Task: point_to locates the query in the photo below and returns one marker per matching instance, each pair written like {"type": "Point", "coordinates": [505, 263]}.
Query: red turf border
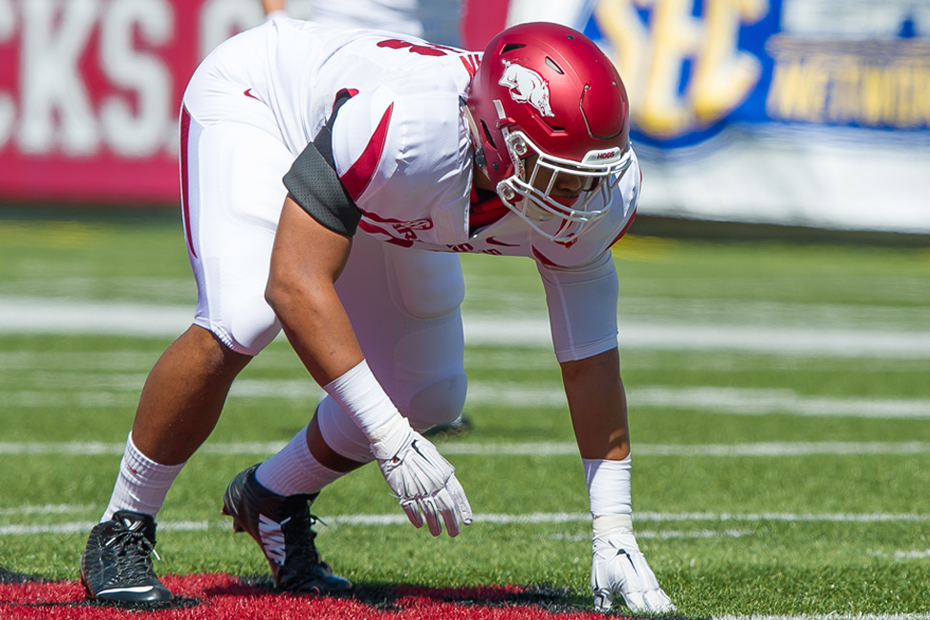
{"type": "Point", "coordinates": [221, 597]}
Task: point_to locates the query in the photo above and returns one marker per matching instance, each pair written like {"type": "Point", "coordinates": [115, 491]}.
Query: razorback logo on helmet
{"type": "Point", "coordinates": [526, 86]}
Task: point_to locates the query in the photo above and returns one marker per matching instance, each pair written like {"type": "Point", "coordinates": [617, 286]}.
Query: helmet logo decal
{"type": "Point", "coordinates": [526, 86]}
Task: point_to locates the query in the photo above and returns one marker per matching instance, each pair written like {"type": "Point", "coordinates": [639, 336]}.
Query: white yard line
{"type": "Point", "coordinates": [903, 555]}
{"type": "Point", "coordinates": [747, 401]}
{"type": "Point", "coordinates": [765, 449]}
{"type": "Point", "coordinates": [45, 509]}
{"type": "Point", "coordinates": [830, 616]}
{"type": "Point", "coordinates": [50, 315]}
{"type": "Point", "coordinates": [585, 536]}
{"type": "Point", "coordinates": [77, 527]}
{"type": "Point", "coordinates": [554, 448]}
{"type": "Point", "coordinates": [382, 520]}
{"type": "Point", "coordinates": [739, 401]}
{"type": "Point", "coordinates": [122, 391]}
{"type": "Point", "coordinates": [97, 448]}
{"type": "Point", "coordinates": [785, 517]}
{"type": "Point", "coordinates": [74, 316]}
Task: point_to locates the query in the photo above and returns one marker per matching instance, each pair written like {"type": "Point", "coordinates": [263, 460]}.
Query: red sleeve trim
{"type": "Point", "coordinates": [543, 259]}
{"type": "Point", "coordinates": [357, 178]}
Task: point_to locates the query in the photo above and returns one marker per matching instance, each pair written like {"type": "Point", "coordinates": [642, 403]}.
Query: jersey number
{"type": "Point", "coordinates": [423, 50]}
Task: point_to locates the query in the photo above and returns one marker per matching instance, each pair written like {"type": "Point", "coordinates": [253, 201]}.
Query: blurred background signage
{"type": "Point", "coordinates": [802, 112]}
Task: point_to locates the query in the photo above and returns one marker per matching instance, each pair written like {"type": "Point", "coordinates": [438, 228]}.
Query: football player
{"type": "Point", "coordinates": [395, 155]}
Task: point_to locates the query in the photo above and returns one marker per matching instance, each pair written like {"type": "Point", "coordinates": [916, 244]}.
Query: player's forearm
{"type": "Point", "coordinates": [306, 260]}
{"type": "Point", "coordinates": [319, 330]}
{"type": "Point", "coordinates": [597, 403]}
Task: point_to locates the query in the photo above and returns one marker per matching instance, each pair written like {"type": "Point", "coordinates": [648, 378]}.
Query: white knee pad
{"type": "Point", "coordinates": [429, 376]}
{"type": "Point", "coordinates": [404, 306]}
{"type": "Point", "coordinates": [440, 402]}
{"type": "Point", "coordinates": [341, 433]}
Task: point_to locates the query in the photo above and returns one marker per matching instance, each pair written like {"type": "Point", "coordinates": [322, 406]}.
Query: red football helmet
{"type": "Point", "coordinates": [548, 90]}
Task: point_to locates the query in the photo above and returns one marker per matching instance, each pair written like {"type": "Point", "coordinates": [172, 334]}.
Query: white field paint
{"type": "Point", "coordinates": [399, 518]}
{"type": "Point", "coordinates": [46, 509]}
{"type": "Point", "coordinates": [831, 616]}
{"type": "Point", "coordinates": [71, 316]}
{"type": "Point", "coordinates": [903, 555]}
{"type": "Point", "coordinates": [122, 391]}
{"type": "Point", "coordinates": [585, 536]}
{"type": "Point", "coordinates": [740, 401]}
{"type": "Point", "coordinates": [544, 449]}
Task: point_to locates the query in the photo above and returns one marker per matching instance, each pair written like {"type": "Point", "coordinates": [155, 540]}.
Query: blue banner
{"type": "Point", "coordinates": [693, 66]}
{"type": "Point", "coordinates": [791, 112]}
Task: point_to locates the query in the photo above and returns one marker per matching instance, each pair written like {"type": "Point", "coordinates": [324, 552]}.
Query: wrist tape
{"type": "Point", "coordinates": [610, 493]}
{"type": "Point", "coordinates": [361, 396]}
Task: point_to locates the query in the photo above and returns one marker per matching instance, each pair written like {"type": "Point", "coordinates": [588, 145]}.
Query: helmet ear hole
{"type": "Point", "coordinates": [552, 65]}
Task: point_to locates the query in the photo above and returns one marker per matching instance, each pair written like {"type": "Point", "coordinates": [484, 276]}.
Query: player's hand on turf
{"type": "Point", "coordinates": [620, 567]}
{"type": "Point", "coordinates": [423, 480]}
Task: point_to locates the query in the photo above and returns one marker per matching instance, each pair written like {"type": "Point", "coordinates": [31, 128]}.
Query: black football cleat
{"type": "Point", "coordinates": [282, 526]}
{"type": "Point", "coordinates": [116, 565]}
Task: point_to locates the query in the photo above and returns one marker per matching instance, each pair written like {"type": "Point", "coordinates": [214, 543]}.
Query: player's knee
{"type": "Point", "coordinates": [440, 402]}
{"type": "Point", "coordinates": [249, 328]}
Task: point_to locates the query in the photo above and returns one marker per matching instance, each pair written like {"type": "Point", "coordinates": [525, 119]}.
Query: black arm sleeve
{"type": "Point", "coordinates": [313, 184]}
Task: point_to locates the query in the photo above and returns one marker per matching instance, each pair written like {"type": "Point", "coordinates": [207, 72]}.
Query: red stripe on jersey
{"type": "Point", "coordinates": [185, 191]}
{"type": "Point", "coordinates": [357, 178]}
{"type": "Point", "coordinates": [545, 261]}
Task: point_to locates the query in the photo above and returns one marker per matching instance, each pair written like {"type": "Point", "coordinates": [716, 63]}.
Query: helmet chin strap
{"type": "Point", "coordinates": [533, 211]}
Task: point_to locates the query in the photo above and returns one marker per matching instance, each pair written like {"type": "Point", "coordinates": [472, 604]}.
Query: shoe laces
{"type": "Point", "coordinates": [300, 537]}
{"type": "Point", "coordinates": [133, 548]}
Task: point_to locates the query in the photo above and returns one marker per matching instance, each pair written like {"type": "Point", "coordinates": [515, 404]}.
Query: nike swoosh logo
{"type": "Point", "coordinates": [139, 589]}
{"type": "Point", "coordinates": [628, 559]}
{"type": "Point", "coordinates": [417, 448]}
{"type": "Point", "coordinates": [493, 241]}
{"type": "Point", "coordinates": [248, 93]}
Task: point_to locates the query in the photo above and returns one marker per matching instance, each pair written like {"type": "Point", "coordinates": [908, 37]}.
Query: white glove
{"type": "Point", "coordinates": [619, 566]}
{"type": "Point", "coordinates": [423, 480]}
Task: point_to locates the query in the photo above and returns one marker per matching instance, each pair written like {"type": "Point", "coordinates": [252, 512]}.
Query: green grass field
{"type": "Point", "coordinates": [779, 398]}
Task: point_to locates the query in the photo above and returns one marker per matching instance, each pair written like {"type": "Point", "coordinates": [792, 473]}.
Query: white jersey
{"type": "Point", "coordinates": [403, 151]}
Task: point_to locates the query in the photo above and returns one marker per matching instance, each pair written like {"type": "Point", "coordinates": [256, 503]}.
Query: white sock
{"type": "Point", "coordinates": [294, 470]}
{"type": "Point", "coordinates": [142, 483]}
{"type": "Point", "coordinates": [610, 493]}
